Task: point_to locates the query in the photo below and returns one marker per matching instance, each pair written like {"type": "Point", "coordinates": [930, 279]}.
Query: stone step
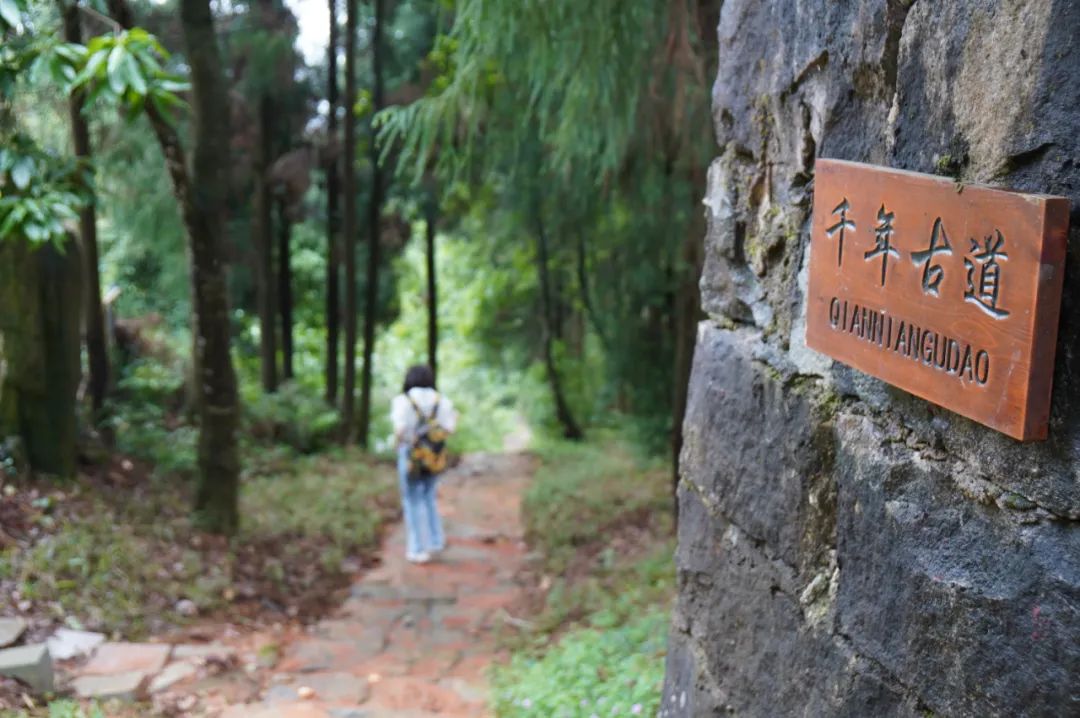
{"type": "Point", "coordinates": [30, 664]}
{"type": "Point", "coordinates": [66, 644]}
{"type": "Point", "coordinates": [11, 630]}
{"type": "Point", "coordinates": [130, 686]}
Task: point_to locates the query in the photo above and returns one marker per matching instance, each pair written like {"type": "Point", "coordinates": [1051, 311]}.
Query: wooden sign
{"type": "Point", "coordinates": [949, 292]}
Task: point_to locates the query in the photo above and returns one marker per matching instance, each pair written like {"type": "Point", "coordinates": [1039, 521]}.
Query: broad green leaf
{"type": "Point", "coordinates": [98, 44]}
{"type": "Point", "coordinates": [117, 78]}
{"type": "Point", "coordinates": [14, 217]}
{"type": "Point", "coordinates": [22, 172]}
{"type": "Point", "coordinates": [70, 52]}
{"type": "Point", "coordinates": [35, 232]}
{"type": "Point", "coordinates": [93, 66]}
{"type": "Point", "coordinates": [9, 13]}
{"type": "Point", "coordinates": [174, 85]}
{"type": "Point", "coordinates": [133, 73]}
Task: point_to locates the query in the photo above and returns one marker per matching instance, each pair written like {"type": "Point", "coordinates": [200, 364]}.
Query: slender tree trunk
{"type": "Point", "coordinates": [571, 429]}
{"type": "Point", "coordinates": [349, 224]}
{"type": "Point", "coordinates": [285, 300]}
{"type": "Point", "coordinates": [371, 305]}
{"type": "Point", "coordinates": [203, 198]}
{"type": "Point", "coordinates": [586, 293]}
{"type": "Point", "coordinates": [96, 348]}
{"type": "Point", "coordinates": [333, 251]}
{"type": "Point", "coordinates": [262, 226]}
{"type": "Point", "coordinates": [432, 290]}
{"type": "Point", "coordinates": [218, 486]}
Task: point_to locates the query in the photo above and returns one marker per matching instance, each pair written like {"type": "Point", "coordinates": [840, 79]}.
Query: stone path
{"type": "Point", "coordinates": [411, 641]}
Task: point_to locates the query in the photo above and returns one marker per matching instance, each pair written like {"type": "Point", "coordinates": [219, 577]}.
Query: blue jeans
{"type": "Point", "coordinates": [423, 527]}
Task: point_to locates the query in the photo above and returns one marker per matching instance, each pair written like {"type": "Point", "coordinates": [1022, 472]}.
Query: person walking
{"type": "Point", "coordinates": [422, 419]}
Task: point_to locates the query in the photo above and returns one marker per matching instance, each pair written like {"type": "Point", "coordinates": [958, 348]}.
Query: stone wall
{"type": "Point", "coordinates": [844, 548]}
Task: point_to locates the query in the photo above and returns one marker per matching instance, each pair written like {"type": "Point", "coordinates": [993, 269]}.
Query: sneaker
{"type": "Point", "coordinates": [422, 557]}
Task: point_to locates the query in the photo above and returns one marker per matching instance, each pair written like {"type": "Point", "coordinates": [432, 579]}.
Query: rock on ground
{"type": "Point", "coordinates": [66, 644]}
{"type": "Point", "coordinates": [11, 630]}
{"type": "Point", "coordinates": [30, 664]}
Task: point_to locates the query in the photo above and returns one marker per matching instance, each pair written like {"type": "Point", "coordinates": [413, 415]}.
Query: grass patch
{"type": "Point", "coordinates": [600, 516]}
{"type": "Point", "coordinates": [339, 495]}
{"type": "Point", "coordinates": [582, 492]}
{"type": "Point", "coordinates": [589, 672]}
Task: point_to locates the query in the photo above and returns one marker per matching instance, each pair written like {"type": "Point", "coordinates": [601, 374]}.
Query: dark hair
{"type": "Point", "coordinates": [419, 375]}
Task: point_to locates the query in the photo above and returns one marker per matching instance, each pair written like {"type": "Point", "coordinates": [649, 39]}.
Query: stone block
{"type": "Point", "coordinates": [110, 658]}
{"type": "Point", "coordinates": [943, 591]}
{"type": "Point", "coordinates": [175, 672]}
{"type": "Point", "coordinates": [202, 650]}
{"type": "Point", "coordinates": [331, 687]}
{"type": "Point", "coordinates": [129, 686]}
{"type": "Point", "coordinates": [66, 644]}
{"type": "Point", "coordinates": [754, 449]}
{"type": "Point", "coordinates": [11, 630]}
{"type": "Point", "coordinates": [30, 664]}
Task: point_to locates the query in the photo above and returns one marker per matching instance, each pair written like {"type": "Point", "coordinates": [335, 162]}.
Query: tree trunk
{"type": "Point", "coordinates": [285, 288]}
{"type": "Point", "coordinates": [333, 251]}
{"type": "Point", "coordinates": [203, 197]}
{"type": "Point", "coordinates": [262, 226]}
{"type": "Point", "coordinates": [371, 305]}
{"type": "Point", "coordinates": [586, 293]}
{"type": "Point", "coordinates": [94, 317]}
{"type": "Point", "coordinates": [41, 289]}
{"type": "Point", "coordinates": [219, 464]}
{"type": "Point", "coordinates": [349, 224]}
{"type": "Point", "coordinates": [432, 290]}
{"type": "Point", "coordinates": [571, 429]}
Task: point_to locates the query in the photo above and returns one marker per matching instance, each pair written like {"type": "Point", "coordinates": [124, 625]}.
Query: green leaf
{"type": "Point", "coordinates": [174, 85]}
{"type": "Point", "coordinates": [117, 78]}
{"type": "Point", "coordinates": [35, 232]}
{"type": "Point", "coordinates": [133, 73]}
{"type": "Point", "coordinates": [14, 217]}
{"type": "Point", "coordinates": [22, 172]}
{"type": "Point", "coordinates": [99, 43]}
{"type": "Point", "coordinates": [9, 13]}
{"type": "Point", "coordinates": [71, 53]}
{"type": "Point", "coordinates": [91, 70]}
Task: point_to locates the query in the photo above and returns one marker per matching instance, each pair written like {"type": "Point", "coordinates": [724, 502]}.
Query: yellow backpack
{"type": "Point", "coordinates": [427, 456]}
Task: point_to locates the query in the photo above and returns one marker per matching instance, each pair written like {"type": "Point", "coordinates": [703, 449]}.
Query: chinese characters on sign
{"type": "Point", "coordinates": [950, 293]}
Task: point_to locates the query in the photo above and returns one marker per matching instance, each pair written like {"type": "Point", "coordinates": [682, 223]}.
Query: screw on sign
{"type": "Point", "coordinates": [957, 299]}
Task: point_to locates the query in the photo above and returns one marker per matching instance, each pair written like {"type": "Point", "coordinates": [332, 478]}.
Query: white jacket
{"type": "Point", "coordinates": [403, 415]}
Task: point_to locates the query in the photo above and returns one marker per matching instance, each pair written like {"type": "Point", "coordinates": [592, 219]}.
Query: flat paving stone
{"type": "Point", "coordinates": [30, 664]}
{"type": "Point", "coordinates": [350, 713]}
{"type": "Point", "coordinates": [66, 644]}
{"type": "Point", "coordinates": [337, 687]}
{"type": "Point", "coordinates": [11, 630]}
{"type": "Point", "coordinates": [174, 673]}
{"type": "Point", "coordinates": [129, 686]}
{"type": "Point", "coordinates": [202, 650]}
{"type": "Point", "coordinates": [112, 658]}
{"type": "Point", "coordinates": [283, 710]}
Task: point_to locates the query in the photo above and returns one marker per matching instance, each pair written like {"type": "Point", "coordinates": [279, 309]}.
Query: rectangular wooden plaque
{"type": "Point", "coordinates": [949, 292]}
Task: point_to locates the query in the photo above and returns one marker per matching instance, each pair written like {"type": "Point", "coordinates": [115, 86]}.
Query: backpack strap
{"type": "Point", "coordinates": [419, 413]}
